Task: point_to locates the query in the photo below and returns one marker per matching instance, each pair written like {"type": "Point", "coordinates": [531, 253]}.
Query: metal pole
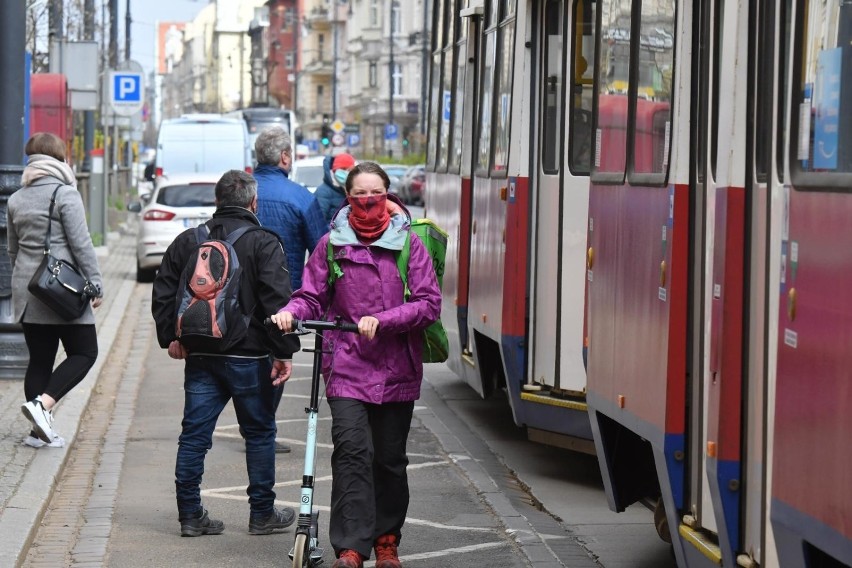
{"type": "Point", "coordinates": [89, 115]}
{"type": "Point", "coordinates": [113, 34]}
{"type": "Point", "coordinates": [127, 22]}
{"type": "Point", "coordinates": [390, 74]}
{"type": "Point", "coordinates": [334, 66]}
{"type": "Point", "coordinates": [425, 70]}
{"type": "Point", "coordinates": [13, 350]}
{"type": "Point", "coordinates": [55, 19]}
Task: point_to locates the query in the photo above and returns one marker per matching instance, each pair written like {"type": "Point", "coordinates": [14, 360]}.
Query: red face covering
{"type": "Point", "coordinates": [369, 216]}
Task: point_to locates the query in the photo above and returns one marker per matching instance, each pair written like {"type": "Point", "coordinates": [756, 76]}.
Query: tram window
{"type": "Point", "coordinates": [823, 139]}
{"type": "Point", "coordinates": [503, 89]}
{"type": "Point", "coordinates": [763, 98]}
{"type": "Point", "coordinates": [458, 106]}
{"type": "Point", "coordinates": [551, 90]}
{"type": "Point", "coordinates": [436, 112]}
{"type": "Point", "coordinates": [485, 102]}
{"type": "Point", "coordinates": [582, 73]}
{"type": "Point", "coordinates": [784, 12]}
{"type": "Point", "coordinates": [652, 132]}
{"type": "Point", "coordinates": [610, 156]}
{"type": "Point", "coordinates": [446, 111]}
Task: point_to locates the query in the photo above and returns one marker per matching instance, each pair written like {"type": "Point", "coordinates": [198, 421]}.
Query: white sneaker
{"type": "Point", "coordinates": [33, 442]}
{"type": "Point", "coordinates": [42, 419]}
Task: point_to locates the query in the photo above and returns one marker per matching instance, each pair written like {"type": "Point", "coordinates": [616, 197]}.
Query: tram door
{"type": "Point", "coordinates": [561, 193]}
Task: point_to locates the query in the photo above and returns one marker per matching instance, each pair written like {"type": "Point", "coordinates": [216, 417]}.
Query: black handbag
{"type": "Point", "coordinates": [58, 283]}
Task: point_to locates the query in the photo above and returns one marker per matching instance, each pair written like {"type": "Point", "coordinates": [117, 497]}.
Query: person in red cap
{"type": "Point", "coordinates": [330, 194]}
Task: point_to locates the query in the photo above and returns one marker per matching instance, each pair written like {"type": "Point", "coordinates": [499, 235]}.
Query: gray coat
{"type": "Point", "coordinates": [26, 219]}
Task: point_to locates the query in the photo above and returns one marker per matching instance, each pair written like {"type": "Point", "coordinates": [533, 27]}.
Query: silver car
{"type": "Point", "coordinates": [179, 202]}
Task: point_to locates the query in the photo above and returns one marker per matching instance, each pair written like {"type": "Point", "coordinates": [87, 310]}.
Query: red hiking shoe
{"type": "Point", "coordinates": [349, 559]}
{"type": "Point", "coordinates": [386, 556]}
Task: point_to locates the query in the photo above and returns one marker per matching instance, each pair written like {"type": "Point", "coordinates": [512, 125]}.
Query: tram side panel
{"type": "Point", "coordinates": [811, 509]}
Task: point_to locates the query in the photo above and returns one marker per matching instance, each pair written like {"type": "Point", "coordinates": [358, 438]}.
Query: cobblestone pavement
{"type": "Point", "coordinates": [27, 475]}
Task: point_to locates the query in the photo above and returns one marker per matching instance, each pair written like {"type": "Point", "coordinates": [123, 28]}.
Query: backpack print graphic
{"type": "Point", "coordinates": [210, 318]}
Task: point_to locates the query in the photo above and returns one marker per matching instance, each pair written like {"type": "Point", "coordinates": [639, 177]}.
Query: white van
{"type": "Point", "coordinates": [202, 143]}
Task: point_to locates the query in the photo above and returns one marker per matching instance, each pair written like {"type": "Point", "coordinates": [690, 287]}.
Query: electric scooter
{"type": "Point", "coordinates": [306, 552]}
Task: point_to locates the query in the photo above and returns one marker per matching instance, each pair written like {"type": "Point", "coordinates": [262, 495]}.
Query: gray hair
{"type": "Point", "coordinates": [269, 145]}
{"type": "Point", "coordinates": [235, 189]}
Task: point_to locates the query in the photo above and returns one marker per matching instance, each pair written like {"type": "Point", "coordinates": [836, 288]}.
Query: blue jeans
{"type": "Point", "coordinates": [209, 383]}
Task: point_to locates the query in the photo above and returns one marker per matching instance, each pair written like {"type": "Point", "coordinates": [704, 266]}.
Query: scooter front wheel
{"type": "Point", "coordinates": [300, 551]}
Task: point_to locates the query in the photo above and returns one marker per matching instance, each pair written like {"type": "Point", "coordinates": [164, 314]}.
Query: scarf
{"type": "Point", "coordinates": [369, 216]}
{"type": "Point", "coordinates": [41, 165]}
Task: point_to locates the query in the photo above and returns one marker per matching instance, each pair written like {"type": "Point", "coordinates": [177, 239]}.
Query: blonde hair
{"type": "Point", "coordinates": [46, 143]}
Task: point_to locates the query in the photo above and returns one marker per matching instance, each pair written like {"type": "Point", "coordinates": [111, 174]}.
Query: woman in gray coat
{"type": "Point", "coordinates": [27, 219]}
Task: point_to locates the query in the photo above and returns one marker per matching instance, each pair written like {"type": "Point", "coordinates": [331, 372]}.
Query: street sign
{"type": "Point", "coordinates": [391, 131]}
{"type": "Point", "coordinates": [125, 92]}
{"type": "Point", "coordinates": [337, 126]}
{"type": "Point", "coordinates": [337, 139]}
{"type": "Point", "coordinates": [353, 140]}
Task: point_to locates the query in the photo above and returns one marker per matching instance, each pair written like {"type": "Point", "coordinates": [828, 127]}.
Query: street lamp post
{"type": "Point", "coordinates": [391, 75]}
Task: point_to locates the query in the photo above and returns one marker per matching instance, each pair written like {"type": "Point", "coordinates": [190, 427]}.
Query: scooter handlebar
{"type": "Point", "coordinates": [301, 325]}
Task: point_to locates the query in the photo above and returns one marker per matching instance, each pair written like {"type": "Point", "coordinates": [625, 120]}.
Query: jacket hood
{"type": "Point", "coordinates": [393, 238]}
{"type": "Point", "coordinates": [327, 178]}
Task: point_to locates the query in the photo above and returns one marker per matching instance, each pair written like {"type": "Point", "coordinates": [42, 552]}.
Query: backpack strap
{"type": "Point", "coordinates": [234, 235]}
{"type": "Point", "coordinates": [202, 233]}
{"type": "Point", "coordinates": [402, 264]}
{"type": "Point", "coordinates": [334, 270]}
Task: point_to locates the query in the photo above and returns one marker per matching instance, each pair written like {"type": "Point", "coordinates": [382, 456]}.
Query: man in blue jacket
{"type": "Point", "coordinates": [283, 205]}
{"type": "Point", "coordinates": [287, 208]}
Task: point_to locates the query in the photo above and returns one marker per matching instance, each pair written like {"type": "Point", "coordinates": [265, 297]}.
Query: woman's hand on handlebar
{"type": "Point", "coordinates": [368, 326]}
{"type": "Point", "coordinates": [284, 321]}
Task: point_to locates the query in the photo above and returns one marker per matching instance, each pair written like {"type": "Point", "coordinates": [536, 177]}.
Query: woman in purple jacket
{"type": "Point", "coordinates": [372, 379]}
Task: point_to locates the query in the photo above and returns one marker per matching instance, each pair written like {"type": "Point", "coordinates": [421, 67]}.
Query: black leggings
{"type": "Point", "coordinates": [81, 347]}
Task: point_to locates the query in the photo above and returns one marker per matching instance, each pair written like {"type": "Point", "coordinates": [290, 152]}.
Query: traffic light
{"type": "Point", "coordinates": [327, 133]}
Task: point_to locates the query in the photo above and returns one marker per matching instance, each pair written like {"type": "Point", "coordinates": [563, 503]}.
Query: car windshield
{"type": "Point", "coordinates": [310, 176]}
{"type": "Point", "coordinates": [191, 195]}
{"type": "Point", "coordinates": [397, 172]}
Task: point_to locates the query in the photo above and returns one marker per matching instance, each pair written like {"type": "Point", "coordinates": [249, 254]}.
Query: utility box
{"type": "Point", "coordinates": [50, 107]}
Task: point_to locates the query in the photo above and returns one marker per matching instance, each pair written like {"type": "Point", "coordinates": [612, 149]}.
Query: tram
{"type": "Point", "coordinates": [646, 202]}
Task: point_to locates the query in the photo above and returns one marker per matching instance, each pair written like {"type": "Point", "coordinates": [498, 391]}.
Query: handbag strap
{"type": "Point", "coordinates": [50, 219]}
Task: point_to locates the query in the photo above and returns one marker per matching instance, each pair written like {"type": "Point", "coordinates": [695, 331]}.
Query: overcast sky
{"type": "Point", "coordinates": [145, 14]}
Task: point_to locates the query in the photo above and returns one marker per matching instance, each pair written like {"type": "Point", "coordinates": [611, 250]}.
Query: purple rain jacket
{"type": "Point", "coordinates": [390, 367]}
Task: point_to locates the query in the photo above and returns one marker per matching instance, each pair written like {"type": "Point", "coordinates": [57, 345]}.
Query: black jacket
{"type": "Point", "coordinates": [264, 290]}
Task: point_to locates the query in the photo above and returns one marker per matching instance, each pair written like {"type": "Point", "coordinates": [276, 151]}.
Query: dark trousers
{"type": "Point", "coordinates": [209, 383]}
{"type": "Point", "coordinates": [369, 491]}
{"type": "Point", "coordinates": [80, 342]}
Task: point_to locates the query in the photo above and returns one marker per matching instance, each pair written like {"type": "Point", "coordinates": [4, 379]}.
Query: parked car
{"type": "Point", "coordinates": [308, 172]}
{"type": "Point", "coordinates": [179, 202]}
{"type": "Point", "coordinates": [405, 193]}
{"type": "Point", "coordinates": [395, 173]}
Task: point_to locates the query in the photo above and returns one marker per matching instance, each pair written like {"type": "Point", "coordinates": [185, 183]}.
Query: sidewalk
{"type": "Point", "coordinates": [28, 475]}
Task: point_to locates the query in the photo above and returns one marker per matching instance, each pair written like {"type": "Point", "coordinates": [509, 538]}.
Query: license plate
{"type": "Point", "coordinates": [193, 221]}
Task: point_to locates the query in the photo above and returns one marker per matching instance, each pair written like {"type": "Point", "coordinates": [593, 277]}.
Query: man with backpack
{"type": "Point", "coordinates": [215, 286]}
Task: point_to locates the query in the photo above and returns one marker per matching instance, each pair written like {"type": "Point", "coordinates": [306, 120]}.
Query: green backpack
{"type": "Point", "coordinates": [436, 346]}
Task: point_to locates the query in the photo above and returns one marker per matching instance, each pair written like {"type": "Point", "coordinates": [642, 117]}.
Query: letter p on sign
{"type": "Point", "coordinates": [126, 89]}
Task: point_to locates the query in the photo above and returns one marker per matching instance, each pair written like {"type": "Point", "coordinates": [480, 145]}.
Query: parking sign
{"type": "Point", "coordinates": [126, 92]}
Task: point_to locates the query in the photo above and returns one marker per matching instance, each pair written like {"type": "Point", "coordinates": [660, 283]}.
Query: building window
{"type": "Point", "coordinates": [396, 18]}
{"type": "Point", "coordinates": [320, 97]}
{"type": "Point", "coordinates": [397, 79]}
{"type": "Point", "coordinates": [373, 74]}
{"type": "Point", "coordinates": [374, 13]}
{"type": "Point", "coordinates": [289, 59]}
{"type": "Point", "coordinates": [321, 48]}
{"type": "Point", "coordinates": [289, 19]}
